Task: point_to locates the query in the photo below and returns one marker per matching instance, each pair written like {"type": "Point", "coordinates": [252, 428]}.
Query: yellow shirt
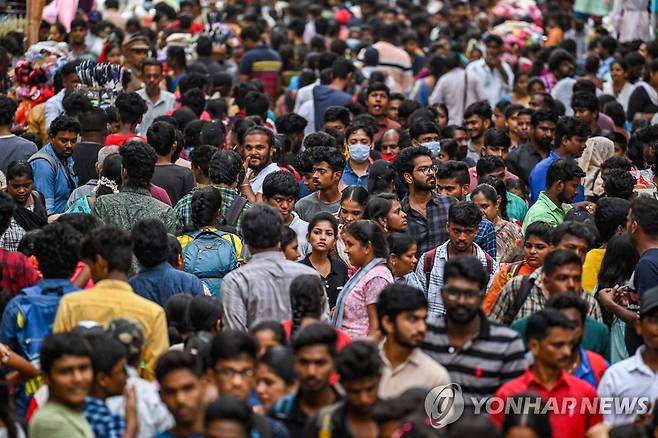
{"type": "Point", "coordinates": [591, 268]}
{"type": "Point", "coordinates": [234, 240]}
{"type": "Point", "coordinates": [111, 299]}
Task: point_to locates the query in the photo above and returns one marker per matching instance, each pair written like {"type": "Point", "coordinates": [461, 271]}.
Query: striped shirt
{"type": "Point", "coordinates": [496, 355]}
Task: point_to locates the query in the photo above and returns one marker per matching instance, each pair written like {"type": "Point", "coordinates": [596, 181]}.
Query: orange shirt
{"type": "Point", "coordinates": [500, 280]}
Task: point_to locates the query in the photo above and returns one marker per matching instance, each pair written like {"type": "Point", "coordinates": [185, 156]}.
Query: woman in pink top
{"type": "Point", "coordinates": [365, 245]}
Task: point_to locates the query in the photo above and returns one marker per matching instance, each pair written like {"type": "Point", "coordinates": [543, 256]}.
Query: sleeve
{"type": "Point", "coordinates": [44, 182]}
{"type": "Point", "coordinates": [510, 78]}
{"type": "Point", "coordinates": [420, 274]}
{"type": "Point", "coordinates": [646, 275]}
{"type": "Point", "coordinates": [373, 288]}
{"type": "Point", "coordinates": [190, 182]}
{"type": "Point", "coordinates": [486, 238]}
{"type": "Point", "coordinates": [636, 102]}
{"type": "Point", "coordinates": [53, 109]}
{"type": "Point", "coordinates": [504, 301]}
{"type": "Point", "coordinates": [157, 344]}
{"type": "Point", "coordinates": [53, 427]}
{"type": "Point", "coordinates": [180, 209]}
{"type": "Point", "coordinates": [497, 283]}
{"type": "Point", "coordinates": [63, 321]}
{"type": "Point", "coordinates": [170, 221]}
{"type": "Point", "coordinates": [8, 327]}
{"type": "Point", "coordinates": [514, 363]}
{"type": "Point", "coordinates": [436, 95]}
{"type": "Point", "coordinates": [245, 65]}
{"type": "Point", "coordinates": [234, 312]}
{"type": "Point", "coordinates": [606, 390]}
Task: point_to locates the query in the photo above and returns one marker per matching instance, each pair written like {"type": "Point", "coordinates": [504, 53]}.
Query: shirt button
{"type": "Point", "coordinates": [451, 349]}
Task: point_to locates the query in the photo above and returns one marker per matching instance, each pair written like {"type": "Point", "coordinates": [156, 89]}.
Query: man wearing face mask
{"type": "Point", "coordinates": [426, 133]}
{"type": "Point", "coordinates": [358, 141]}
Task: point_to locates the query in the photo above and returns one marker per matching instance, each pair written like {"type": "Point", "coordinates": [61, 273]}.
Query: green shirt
{"type": "Point", "coordinates": [596, 337]}
{"type": "Point", "coordinates": [546, 211]}
{"type": "Point", "coordinates": [55, 420]}
{"type": "Point", "coordinates": [131, 205]}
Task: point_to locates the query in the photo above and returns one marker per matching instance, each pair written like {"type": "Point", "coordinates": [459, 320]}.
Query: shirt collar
{"type": "Point", "coordinates": [164, 266]}
{"type": "Point", "coordinates": [413, 358]}
{"type": "Point", "coordinates": [639, 365]}
{"type": "Point", "coordinates": [267, 255]}
{"type": "Point", "coordinates": [138, 190]}
{"type": "Point", "coordinates": [584, 367]}
{"type": "Point", "coordinates": [532, 379]}
{"type": "Point", "coordinates": [116, 285]}
{"type": "Point", "coordinates": [549, 203]}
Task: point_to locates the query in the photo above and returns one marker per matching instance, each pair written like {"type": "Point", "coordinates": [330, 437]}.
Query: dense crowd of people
{"type": "Point", "coordinates": [271, 219]}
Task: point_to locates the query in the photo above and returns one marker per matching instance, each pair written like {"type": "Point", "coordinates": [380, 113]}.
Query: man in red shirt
{"type": "Point", "coordinates": [571, 401]}
{"type": "Point", "coordinates": [131, 109]}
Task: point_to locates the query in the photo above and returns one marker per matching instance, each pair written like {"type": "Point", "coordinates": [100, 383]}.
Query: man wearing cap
{"type": "Point", "coordinates": [135, 50]}
{"type": "Point", "coordinates": [636, 376]}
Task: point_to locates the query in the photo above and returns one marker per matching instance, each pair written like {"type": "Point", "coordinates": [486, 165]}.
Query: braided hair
{"type": "Point", "coordinates": [206, 204]}
{"type": "Point", "coordinates": [307, 294]}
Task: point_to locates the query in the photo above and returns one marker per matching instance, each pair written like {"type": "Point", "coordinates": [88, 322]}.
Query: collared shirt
{"type": "Point", "coordinates": [538, 178]}
{"type": "Point", "coordinates": [253, 291]}
{"type": "Point", "coordinates": [336, 279]}
{"type": "Point", "coordinates": [256, 182]}
{"type": "Point", "coordinates": [433, 290]}
{"type": "Point", "coordinates": [350, 178]}
{"type": "Point", "coordinates": [496, 355]}
{"type": "Point", "coordinates": [104, 423]}
{"type": "Point", "coordinates": [486, 237]}
{"type": "Point", "coordinates": [522, 160]}
{"type": "Point", "coordinates": [429, 231]}
{"type": "Point", "coordinates": [54, 420]}
{"type": "Point", "coordinates": [584, 371]}
{"type": "Point", "coordinates": [545, 210]}
{"type": "Point", "coordinates": [55, 185]}
{"type": "Point", "coordinates": [183, 208]}
{"type": "Point", "coordinates": [417, 371]}
{"type": "Point", "coordinates": [111, 299]}
{"type": "Point", "coordinates": [565, 422]}
{"type": "Point", "coordinates": [13, 319]}
{"type": "Point", "coordinates": [626, 380]}
{"type": "Point", "coordinates": [17, 271]}
{"type": "Point", "coordinates": [536, 300]}
{"type": "Point", "coordinates": [131, 205]}
{"type": "Point", "coordinates": [163, 281]}
{"type": "Point", "coordinates": [54, 107]}
{"type": "Point", "coordinates": [159, 419]}
{"type": "Point", "coordinates": [457, 89]}
{"type": "Point", "coordinates": [165, 103]}
{"type": "Point", "coordinates": [495, 85]}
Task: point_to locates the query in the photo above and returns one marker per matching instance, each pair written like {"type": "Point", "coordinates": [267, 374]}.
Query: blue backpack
{"type": "Point", "coordinates": [35, 318]}
{"type": "Point", "coordinates": [210, 257]}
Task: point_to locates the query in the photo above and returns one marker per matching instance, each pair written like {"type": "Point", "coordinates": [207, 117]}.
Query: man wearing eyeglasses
{"type": "Point", "coordinates": [232, 369]}
{"type": "Point", "coordinates": [460, 339]}
{"type": "Point", "coordinates": [427, 211]}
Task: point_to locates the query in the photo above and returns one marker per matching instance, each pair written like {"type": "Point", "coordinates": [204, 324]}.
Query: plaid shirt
{"type": "Point", "coordinates": [433, 289]}
{"type": "Point", "coordinates": [429, 231]}
{"type": "Point", "coordinates": [183, 209]}
{"type": "Point", "coordinates": [104, 423]}
{"type": "Point", "coordinates": [536, 300]}
{"type": "Point", "coordinates": [486, 237]}
{"type": "Point", "coordinates": [17, 271]}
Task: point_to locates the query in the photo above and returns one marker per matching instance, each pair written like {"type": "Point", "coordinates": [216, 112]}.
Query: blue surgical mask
{"type": "Point", "coordinates": [353, 43]}
{"type": "Point", "coordinates": [360, 152]}
{"type": "Point", "coordinates": [433, 146]}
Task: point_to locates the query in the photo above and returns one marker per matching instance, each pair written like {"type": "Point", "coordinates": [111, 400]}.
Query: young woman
{"type": "Point", "coordinates": [290, 244]}
{"type": "Point", "coordinates": [268, 333]}
{"type": "Point", "coordinates": [402, 258]}
{"type": "Point", "coordinates": [111, 53]}
{"type": "Point", "coordinates": [30, 213]}
{"type": "Point", "coordinates": [352, 205]}
{"type": "Point", "coordinates": [619, 85]}
{"type": "Point", "coordinates": [275, 376]}
{"type": "Point", "coordinates": [109, 182]}
{"type": "Point", "coordinates": [616, 293]}
{"type": "Point", "coordinates": [365, 245]}
{"type": "Point", "coordinates": [178, 324]}
{"type": "Point", "coordinates": [643, 102]}
{"type": "Point", "coordinates": [520, 94]}
{"type": "Point", "coordinates": [493, 207]}
{"type": "Point", "coordinates": [386, 210]}
{"type": "Point", "coordinates": [206, 203]}
{"type": "Point", "coordinates": [381, 178]}
{"type": "Point", "coordinates": [322, 235]}
{"type": "Point", "coordinates": [536, 246]}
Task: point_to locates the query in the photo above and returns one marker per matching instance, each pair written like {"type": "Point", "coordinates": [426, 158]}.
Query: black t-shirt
{"type": "Point", "coordinates": [644, 278]}
{"type": "Point", "coordinates": [178, 181]}
{"type": "Point", "coordinates": [85, 156]}
{"type": "Point", "coordinates": [336, 279]}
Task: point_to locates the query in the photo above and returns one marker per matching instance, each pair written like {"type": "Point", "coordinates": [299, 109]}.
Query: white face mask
{"type": "Point", "coordinates": [359, 152]}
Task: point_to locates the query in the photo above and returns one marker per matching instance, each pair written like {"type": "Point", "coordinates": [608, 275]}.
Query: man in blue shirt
{"type": "Point", "coordinates": [570, 137]}
{"type": "Point", "coordinates": [359, 141]}
{"type": "Point", "coordinates": [159, 281]}
{"type": "Point", "coordinates": [54, 175]}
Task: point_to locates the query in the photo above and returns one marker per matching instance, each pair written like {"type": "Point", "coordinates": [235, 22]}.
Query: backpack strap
{"type": "Point", "coordinates": [490, 263]}
{"type": "Point", "coordinates": [324, 420]}
{"type": "Point", "coordinates": [597, 363]}
{"type": "Point", "coordinates": [513, 270]}
{"type": "Point", "coordinates": [41, 155]}
{"type": "Point", "coordinates": [428, 264]}
{"type": "Point", "coordinates": [522, 295]}
{"type": "Point", "coordinates": [234, 210]}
